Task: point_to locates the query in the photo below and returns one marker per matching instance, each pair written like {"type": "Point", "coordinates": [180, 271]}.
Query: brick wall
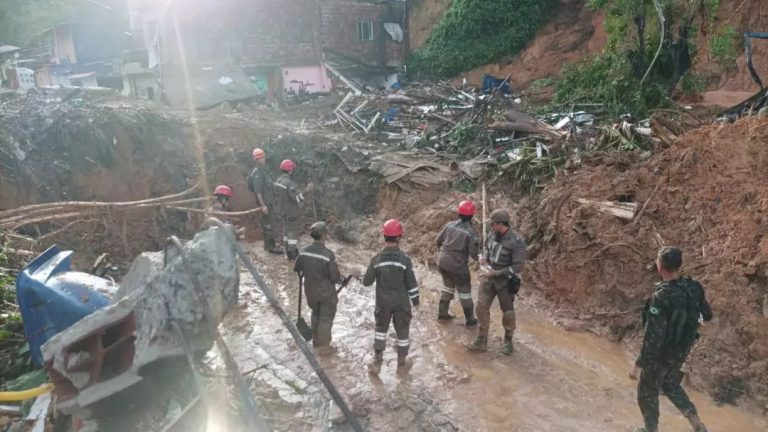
{"type": "Point", "coordinates": [339, 30]}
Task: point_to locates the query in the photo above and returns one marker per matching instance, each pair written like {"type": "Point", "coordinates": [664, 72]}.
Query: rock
{"type": "Point", "coordinates": [405, 419]}
{"type": "Point", "coordinates": [335, 415]}
{"type": "Point", "coordinates": [758, 350]}
{"type": "Point", "coordinates": [765, 306]}
{"type": "Point", "coordinates": [763, 112]}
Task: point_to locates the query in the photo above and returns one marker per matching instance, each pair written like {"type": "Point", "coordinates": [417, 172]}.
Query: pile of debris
{"type": "Point", "coordinates": [487, 133]}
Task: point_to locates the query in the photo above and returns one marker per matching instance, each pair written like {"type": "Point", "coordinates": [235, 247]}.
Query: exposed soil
{"type": "Point", "coordinates": [573, 33]}
{"type": "Point", "coordinates": [555, 380]}
{"type": "Point", "coordinates": [743, 15]}
{"type": "Point", "coordinates": [423, 16]}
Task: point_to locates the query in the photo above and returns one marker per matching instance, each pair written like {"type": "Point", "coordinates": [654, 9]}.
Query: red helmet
{"type": "Point", "coordinates": [223, 190]}
{"type": "Point", "coordinates": [258, 154]}
{"type": "Point", "coordinates": [287, 166]}
{"type": "Point", "coordinates": [393, 228]}
{"type": "Point", "coordinates": [467, 208]}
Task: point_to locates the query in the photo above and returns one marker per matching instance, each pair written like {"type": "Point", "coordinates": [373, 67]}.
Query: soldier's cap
{"type": "Point", "coordinates": [318, 228]}
{"type": "Point", "coordinates": [499, 216]}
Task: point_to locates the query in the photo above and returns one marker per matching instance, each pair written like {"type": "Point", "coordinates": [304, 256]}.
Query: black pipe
{"type": "Point", "coordinates": [335, 395]}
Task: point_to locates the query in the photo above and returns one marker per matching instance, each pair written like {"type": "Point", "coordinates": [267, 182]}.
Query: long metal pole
{"type": "Point", "coordinates": [273, 300]}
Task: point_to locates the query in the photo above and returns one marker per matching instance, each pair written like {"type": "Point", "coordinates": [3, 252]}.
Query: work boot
{"type": "Point", "coordinates": [469, 315]}
{"type": "Point", "coordinates": [480, 344]}
{"type": "Point", "coordinates": [696, 423]}
{"type": "Point", "coordinates": [325, 350]}
{"type": "Point", "coordinates": [442, 310]}
{"type": "Point", "coordinates": [404, 364]}
{"type": "Point", "coordinates": [375, 366]}
{"type": "Point", "coordinates": [507, 348]}
{"type": "Point", "coordinates": [275, 250]}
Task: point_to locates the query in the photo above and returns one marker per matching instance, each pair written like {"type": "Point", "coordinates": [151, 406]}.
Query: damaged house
{"type": "Point", "coordinates": [85, 51]}
{"type": "Point", "coordinates": [231, 50]}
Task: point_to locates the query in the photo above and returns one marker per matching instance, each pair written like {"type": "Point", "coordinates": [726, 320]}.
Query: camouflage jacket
{"type": "Point", "coordinates": [671, 319]}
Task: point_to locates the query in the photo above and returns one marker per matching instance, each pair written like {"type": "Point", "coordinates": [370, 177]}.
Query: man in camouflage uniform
{"type": "Point", "coordinates": [290, 199]}
{"type": "Point", "coordinates": [671, 320]}
{"type": "Point", "coordinates": [317, 264]}
{"type": "Point", "coordinates": [396, 290]}
{"type": "Point", "coordinates": [260, 184]}
{"type": "Point", "coordinates": [457, 242]}
{"type": "Point", "coordinates": [505, 254]}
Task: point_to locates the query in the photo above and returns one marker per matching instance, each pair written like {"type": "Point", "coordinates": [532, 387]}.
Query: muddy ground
{"type": "Point", "coordinates": [555, 381]}
{"type": "Point", "coordinates": [588, 272]}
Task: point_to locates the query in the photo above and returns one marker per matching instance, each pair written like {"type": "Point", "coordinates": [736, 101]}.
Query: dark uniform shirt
{"type": "Point", "coordinates": [671, 321]}
{"type": "Point", "coordinates": [261, 182]}
{"type": "Point", "coordinates": [506, 253]}
{"type": "Point", "coordinates": [392, 270]}
{"type": "Point", "coordinates": [457, 242]}
{"type": "Point", "coordinates": [288, 195]}
{"type": "Point", "coordinates": [321, 273]}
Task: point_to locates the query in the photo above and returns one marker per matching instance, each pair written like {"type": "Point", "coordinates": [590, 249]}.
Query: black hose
{"type": "Point", "coordinates": [273, 300]}
{"type": "Point", "coordinates": [254, 422]}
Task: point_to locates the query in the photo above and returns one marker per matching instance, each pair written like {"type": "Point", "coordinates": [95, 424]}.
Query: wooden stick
{"type": "Point", "coordinates": [645, 204]}
{"type": "Point", "coordinates": [89, 204]}
{"type": "Point", "coordinates": [217, 213]}
{"type": "Point", "coordinates": [484, 220]}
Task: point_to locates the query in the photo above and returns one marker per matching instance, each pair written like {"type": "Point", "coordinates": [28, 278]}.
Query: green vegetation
{"type": "Point", "coordinates": [633, 75]}
{"type": "Point", "coordinates": [724, 48]}
{"type": "Point", "coordinates": [473, 33]}
{"type": "Point", "coordinates": [14, 351]}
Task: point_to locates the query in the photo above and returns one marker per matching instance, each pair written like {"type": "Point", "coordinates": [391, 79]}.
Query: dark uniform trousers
{"type": "Point", "coordinates": [490, 288]}
{"type": "Point", "coordinates": [401, 321]}
{"type": "Point", "coordinates": [265, 221]}
{"type": "Point", "coordinates": [455, 281]}
{"type": "Point", "coordinates": [652, 382]}
{"type": "Point", "coordinates": [323, 314]}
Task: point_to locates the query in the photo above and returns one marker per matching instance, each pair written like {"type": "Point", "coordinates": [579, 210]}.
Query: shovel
{"type": "Point", "coordinates": [301, 325]}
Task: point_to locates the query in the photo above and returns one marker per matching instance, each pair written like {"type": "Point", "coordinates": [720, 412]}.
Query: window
{"type": "Point", "coordinates": [365, 30]}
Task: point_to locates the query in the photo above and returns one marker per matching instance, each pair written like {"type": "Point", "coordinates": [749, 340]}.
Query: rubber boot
{"type": "Point", "coordinates": [378, 359]}
{"type": "Point", "coordinates": [469, 315]}
{"type": "Point", "coordinates": [271, 247]}
{"type": "Point", "coordinates": [480, 344]}
{"type": "Point", "coordinates": [507, 348]}
{"type": "Point", "coordinates": [404, 364]}
{"type": "Point", "coordinates": [442, 310]}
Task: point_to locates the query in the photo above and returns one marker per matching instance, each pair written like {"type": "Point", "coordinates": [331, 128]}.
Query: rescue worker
{"type": "Point", "coordinates": [457, 242]}
{"type": "Point", "coordinates": [504, 255]}
{"type": "Point", "coordinates": [290, 200]}
{"type": "Point", "coordinates": [221, 203]}
{"type": "Point", "coordinates": [260, 184]}
{"type": "Point", "coordinates": [396, 291]}
{"type": "Point", "coordinates": [222, 194]}
{"type": "Point", "coordinates": [671, 320]}
{"type": "Point", "coordinates": [317, 264]}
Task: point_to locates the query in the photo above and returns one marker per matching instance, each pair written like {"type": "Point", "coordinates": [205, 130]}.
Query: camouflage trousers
{"type": "Point", "coordinates": [652, 382]}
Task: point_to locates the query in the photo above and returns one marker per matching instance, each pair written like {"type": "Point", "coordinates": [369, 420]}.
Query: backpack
{"type": "Point", "coordinates": [250, 180]}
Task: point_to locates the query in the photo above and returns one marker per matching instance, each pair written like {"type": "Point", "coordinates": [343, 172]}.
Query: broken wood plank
{"type": "Point", "coordinates": [373, 122]}
{"type": "Point", "coordinates": [619, 209]}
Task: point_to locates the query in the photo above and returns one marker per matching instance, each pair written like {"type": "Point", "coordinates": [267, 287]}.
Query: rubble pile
{"type": "Point", "coordinates": [706, 194]}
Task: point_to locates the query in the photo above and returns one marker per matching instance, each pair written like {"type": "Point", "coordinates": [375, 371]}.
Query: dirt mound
{"type": "Point", "coordinates": [55, 150]}
{"type": "Point", "coordinates": [574, 32]}
{"type": "Point", "coordinates": [708, 194]}
{"type": "Point", "coordinates": [743, 16]}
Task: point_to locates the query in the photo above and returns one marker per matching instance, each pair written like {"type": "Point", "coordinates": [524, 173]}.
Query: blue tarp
{"type": "Point", "coordinates": [490, 83]}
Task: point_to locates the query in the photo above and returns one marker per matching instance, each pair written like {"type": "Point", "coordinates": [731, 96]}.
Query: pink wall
{"type": "Point", "coordinates": [317, 76]}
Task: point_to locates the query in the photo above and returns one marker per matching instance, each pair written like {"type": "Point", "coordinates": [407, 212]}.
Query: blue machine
{"type": "Point", "coordinates": [52, 297]}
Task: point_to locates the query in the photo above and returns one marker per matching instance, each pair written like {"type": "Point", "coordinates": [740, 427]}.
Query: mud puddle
{"type": "Point", "coordinates": [555, 380]}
